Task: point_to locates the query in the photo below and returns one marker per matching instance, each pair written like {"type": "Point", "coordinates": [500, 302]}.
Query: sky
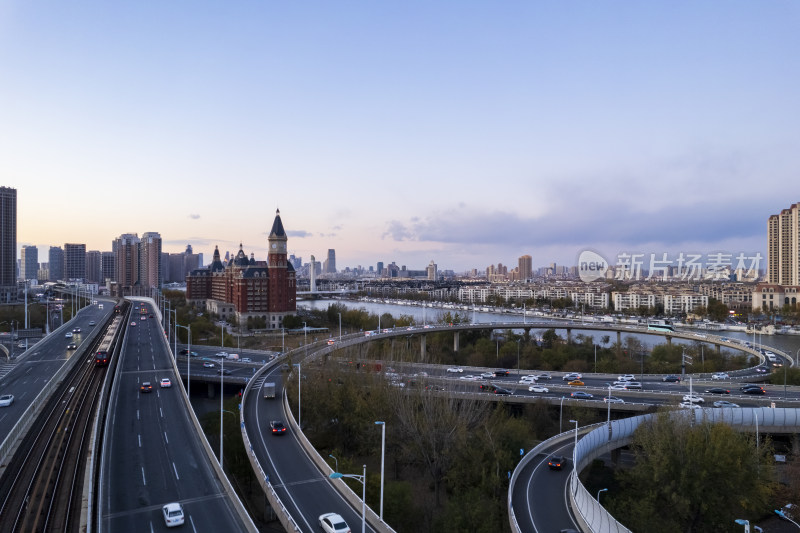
{"type": "Point", "coordinates": [468, 133]}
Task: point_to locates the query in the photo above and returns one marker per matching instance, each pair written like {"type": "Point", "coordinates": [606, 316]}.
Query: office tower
{"type": "Point", "coordinates": [432, 271]}
{"type": "Point", "coordinates": [108, 266]}
{"type": "Point", "coordinates": [379, 268]}
{"type": "Point", "coordinates": [150, 261]}
{"type": "Point", "coordinates": [94, 266]}
{"type": "Point", "coordinates": [75, 261]}
{"type": "Point", "coordinates": [56, 264]}
{"type": "Point", "coordinates": [783, 247]}
{"type": "Point", "coordinates": [525, 267]}
{"type": "Point", "coordinates": [329, 266]}
{"type": "Point", "coordinates": [29, 262]}
{"type": "Point", "coordinates": [8, 244]}
{"type": "Point", "coordinates": [126, 260]}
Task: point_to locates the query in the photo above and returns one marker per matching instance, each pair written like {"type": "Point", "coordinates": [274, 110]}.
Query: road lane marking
{"type": "Point", "coordinates": [176, 471]}
{"type": "Point", "coordinates": [144, 481]}
{"type": "Point", "coordinates": [140, 440]}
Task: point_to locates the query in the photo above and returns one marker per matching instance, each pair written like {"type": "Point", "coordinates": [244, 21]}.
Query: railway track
{"type": "Point", "coordinates": [42, 488]}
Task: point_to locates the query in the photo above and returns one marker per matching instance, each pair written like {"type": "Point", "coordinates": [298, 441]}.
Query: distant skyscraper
{"type": "Point", "coordinates": [109, 269]}
{"type": "Point", "coordinates": [94, 266]}
{"type": "Point", "coordinates": [379, 267]}
{"type": "Point", "coordinates": [55, 268]}
{"type": "Point", "coordinates": [432, 271]}
{"type": "Point", "coordinates": [75, 261]}
{"type": "Point", "coordinates": [8, 244]}
{"type": "Point", "coordinates": [29, 264]}
{"type": "Point", "coordinates": [150, 261]}
{"type": "Point", "coordinates": [525, 267]}
{"type": "Point", "coordinates": [783, 247]}
{"type": "Point", "coordinates": [330, 263]}
{"type": "Point", "coordinates": [127, 262]}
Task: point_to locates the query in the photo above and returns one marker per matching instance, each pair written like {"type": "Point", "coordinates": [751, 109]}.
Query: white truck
{"type": "Point", "coordinates": [268, 390]}
{"type": "Point", "coordinates": [233, 356]}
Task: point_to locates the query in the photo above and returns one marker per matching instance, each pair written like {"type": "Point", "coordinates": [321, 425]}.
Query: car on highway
{"type": "Point", "coordinates": [725, 403]}
{"type": "Point", "coordinates": [571, 376]}
{"type": "Point", "coordinates": [173, 514]}
{"type": "Point", "coordinates": [613, 399]}
{"type": "Point", "coordinates": [580, 395]}
{"type": "Point", "coordinates": [224, 372]}
{"type": "Point", "coordinates": [538, 388]}
{"type": "Point", "coordinates": [633, 385]}
{"type": "Point", "coordinates": [626, 377]}
{"type": "Point", "coordinates": [576, 383]}
{"type": "Point", "coordinates": [620, 383]}
{"type": "Point", "coordinates": [68, 335]}
{"type": "Point", "coordinates": [246, 360]}
{"type": "Point", "coordinates": [455, 370]}
{"type": "Point", "coordinates": [500, 373]}
{"type": "Point", "coordinates": [487, 375]}
{"type": "Point", "coordinates": [469, 377]}
{"type": "Point", "coordinates": [208, 364]}
{"type": "Point", "coordinates": [501, 390]}
{"type": "Point", "coordinates": [617, 387]}
{"type": "Point", "coordinates": [689, 405]}
{"type": "Point", "coordinates": [720, 375]}
{"type": "Point", "coordinates": [543, 375]}
{"type": "Point", "coordinates": [672, 378]}
{"type": "Point", "coordinates": [72, 346]}
{"type": "Point", "coordinates": [761, 370]}
{"type": "Point", "coordinates": [333, 523]}
{"type": "Point", "coordinates": [556, 462]}
{"type": "Point", "coordinates": [133, 324]}
{"type": "Point", "coordinates": [487, 387]}
{"type": "Point", "coordinates": [6, 400]}
{"type": "Point", "coordinates": [527, 380]}
{"type": "Point", "coordinates": [277, 427]}
{"type": "Point", "coordinates": [221, 355]}
{"type": "Point", "coordinates": [693, 398]}
{"type": "Point", "coordinates": [752, 389]}
{"type": "Point", "coordinates": [165, 383]}
{"type": "Point", "coordinates": [717, 390]}
{"type": "Point", "coordinates": [76, 330]}
{"type": "Point", "coordinates": [92, 323]}
{"type": "Point", "coordinates": [146, 387]}
{"type": "Point", "coordinates": [143, 318]}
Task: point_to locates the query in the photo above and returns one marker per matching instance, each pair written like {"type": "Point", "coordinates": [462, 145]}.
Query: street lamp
{"type": "Point", "coordinates": [188, 360]}
{"type": "Point", "coordinates": [221, 395]}
{"type": "Point", "coordinates": [383, 455]}
{"type": "Point", "coordinates": [560, 415]}
{"type": "Point", "coordinates": [518, 341]}
{"type": "Point", "coordinates": [783, 515]}
{"type": "Point", "coordinates": [299, 420]}
{"type": "Point", "coordinates": [575, 449]}
{"type": "Point", "coordinates": [598, 494]}
{"type": "Point", "coordinates": [363, 480]}
{"type": "Point", "coordinates": [340, 326]}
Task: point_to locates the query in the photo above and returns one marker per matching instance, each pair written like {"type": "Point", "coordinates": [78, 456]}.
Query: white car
{"type": "Point", "coordinates": [689, 405]}
{"type": "Point", "coordinates": [455, 369]}
{"type": "Point", "coordinates": [613, 399]}
{"type": "Point", "coordinates": [173, 514]}
{"type": "Point", "coordinates": [720, 375]}
{"type": "Point", "coordinates": [527, 379]}
{"type": "Point", "coordinates": [693, 398]}
{"type": "Point", "coordinates": [572, 376]}
{"type": "Point", "coordinates": [165, 383]}
{"type": "Point", "coordinates": [620, 383]}
{"type": "Point", "coordinates": [618, 387]}
{"type": "Point", "coordinates": [538, 388]}
{"type": "Point", "coordinates": [543, 375]}
{"type": "Point", "coordinates": [725, 403]}
{"type": "Point", "coordinates": [68, 335]}
{"type": "Point", "coordinates": [6, 400]}
{"type": "Point", "coordinates": [626, 377]}
{"type": "Point", "coordinates": [487, 375]}
{"type": "Point", "coordinates": [333, 523]}
{"type": "Point", "coordinates": [469, 377]}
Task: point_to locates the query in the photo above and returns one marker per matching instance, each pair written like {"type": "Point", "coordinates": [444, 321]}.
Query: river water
{"type": "Point", "coordinates": [422, 315]}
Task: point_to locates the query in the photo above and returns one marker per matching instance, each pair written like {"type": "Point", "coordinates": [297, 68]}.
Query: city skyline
{"type": "Point", "coordinates": [462, 133]}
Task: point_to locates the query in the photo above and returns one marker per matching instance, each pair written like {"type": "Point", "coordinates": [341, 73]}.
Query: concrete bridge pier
{"type": "Point", "coordinates": [669, 340]}
{"type": "Point", "coordinates": [422, 339]}
{"type": "Point", "coordinates": [455, 341]}
{"type": "Point", "coordinates": [619, 341]}
{"type": "Point", "coordinates": [569, 335]}
{"type": "Point", "coordinates": [718, 348]}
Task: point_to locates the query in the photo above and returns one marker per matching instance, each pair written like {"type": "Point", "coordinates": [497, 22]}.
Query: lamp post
{"type": "Point", "coordinates": [221, 395]}
{"type": "Point", "coordinates": [518, 369]}
{"type": "Point", "coordinates": [595, 359]}
{"type": "Point", "coordinates": [336, 460]}
{"type": "Point", "coordinates": [188, 360]}
{"type": "Point", "coordinates": [220, 433]}
{"type": "Point", "coordinates": [575, 449]}
{"type": "Point", "coordinates": [363, 480]}
{"type": "Point", "coordinates": [783, 515]}
{"type": "Point", "coordinates": [609, 407]}
{"type": "Point", "coordinates": [383, 455]}
{"type": "Point", "coordinates": [299, 420]}
{"type": "Point", "coordinates": [560, 414]}
{"type": "Point", "coordinates": [598, 494]}
{"type": "Point", "coordinates": [340, 326]}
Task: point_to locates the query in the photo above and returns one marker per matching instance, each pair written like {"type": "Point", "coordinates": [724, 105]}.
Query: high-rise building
{"type": "Point", "coordinates": [94, 266]}
{"type": "Point", "coordinates": [75, 261]}
{"type": "Point", "coordinates": [29, 262]}
{"type": "Point", "coordinates": [783, 247]}
{"type": "Point", "coordinates": [126, 260]}
{"type": "Point", "coordinates": [329, 265]}
{"type": "Point", "coordinates": [525, 267]}
{"type": "Point", "coordinates": [150, 261]}
{"type": "Point", "coordinates": [432, 271]}
{"type": "Point", "coordinates": [379, 268]}
{"type": "Point", "coordinates": [55, 268]}
{"type": "Point", "coordinates": [108, 266]}
{"type": "Point", "coordinates": [8, 244]}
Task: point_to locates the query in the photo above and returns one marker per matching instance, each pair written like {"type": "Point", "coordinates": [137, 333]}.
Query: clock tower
{"type": "Point", "coordinates": [277, 243]}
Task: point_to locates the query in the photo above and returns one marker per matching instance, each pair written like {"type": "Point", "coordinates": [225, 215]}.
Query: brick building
{"type": "Point", "coordinates": [245, 288]}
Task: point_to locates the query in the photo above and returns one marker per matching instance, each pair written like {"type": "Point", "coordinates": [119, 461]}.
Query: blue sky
{"type": "Point", "coordinates": [465, 132]}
